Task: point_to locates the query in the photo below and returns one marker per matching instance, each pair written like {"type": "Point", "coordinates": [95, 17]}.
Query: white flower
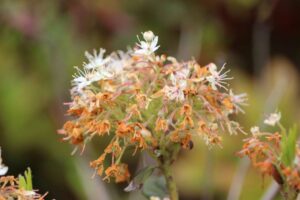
{"type": "Point", "coordinates": [3, 168]}
{"type": "Point", "coordinates": [255, 130]}
{"type": "Point", "coordinates": [148, 36]}
{"type": "Point", "coordinates": [238, 100]}
{"type": "Point", "coordinates": [95, 60]}
{"type": "Point", "coordinates": [85, 77]}
{"type": "Point", "coordinates": [81, 82]}
{"type": "Point", "coordinates": [179, 83]}
{"type": "Point", "coordinates": [118, 62]}
{"type": "Point", "coordinates": [99, 68]}
{"type": "Point", "coordinates": [273, 119]}
{"type": "Point", "coordinates": [175, 92]}
{"type": "Point", "coordinates": [179, 75]}
{"type": "Point", "coordinates": [217, 78]}
{"type": "Point", "coordinates": [149, 46]}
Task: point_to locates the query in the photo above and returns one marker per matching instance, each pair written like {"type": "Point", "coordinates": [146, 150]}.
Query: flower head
{"type": "Point", "coordinates": [148, 36]}
{"type": "Point", "coordinates": [180, 75]}
{"type": "Point", "coordinates": [178, 78]}
{"type": "Point", "coordinates": [273, 118]}
{"type": "Point", "coordinates": [149, 46]}
{"type": "Point", "coordinates": [273, 154]}
{"type": "Point", "coordinates": [142, 100]}
{"type": "Point", "coordinates": [217, 78]}
{"type": "Point", "coordinates": [175, 92]}
{"type": "Point", "coordinates": [86, 77]}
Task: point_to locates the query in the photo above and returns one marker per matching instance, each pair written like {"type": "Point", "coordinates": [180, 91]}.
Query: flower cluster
{"type": "Point", "coordinates": [275, 153]}
{"type": "Point", "coordinates": [16, 188]}
{"type": "Point", "coordinates": [144, 101]}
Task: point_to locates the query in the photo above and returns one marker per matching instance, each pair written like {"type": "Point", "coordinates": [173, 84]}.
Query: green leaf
{"type": "Point", "coordinates": [140, 178]}
{"type": "Point", "coordinates": [25, 182]}
{"type": "Point", "coordinates": [22, 182]}
{"type": "Point", "coordinates": [28, 178]}
{"type": "Point", "coordinates": [288, 146]}
{"type": "Point", "coordinates": [155, 186]}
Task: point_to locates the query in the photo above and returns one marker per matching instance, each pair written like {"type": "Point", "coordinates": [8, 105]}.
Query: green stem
{"type": "Point", "coordinates": [169, 154]}
{"type": "Point", "coordinates": [288, 193]}
{"type": "Point", "coordinates": [171, 185]}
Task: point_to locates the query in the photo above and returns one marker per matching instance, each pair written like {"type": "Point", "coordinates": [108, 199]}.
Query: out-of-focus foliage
{"type": "Point", "coordinates": [40, 41]}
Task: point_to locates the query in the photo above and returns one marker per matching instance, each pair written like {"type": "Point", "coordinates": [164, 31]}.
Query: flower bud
{"type": "Point", "coordinates": [255, 130]}
{"type": "Point", "coordinates": [212, 68]}
{"type": "Point", "coordinates": [148, 36]}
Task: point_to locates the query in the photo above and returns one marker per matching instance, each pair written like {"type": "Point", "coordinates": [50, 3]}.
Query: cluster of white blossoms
{"type": "Point", "coordinates": [100, 67]}
{"type": "Point", "coordinates": [271, 120]}
{"type": "Point", "coordinates": [119, 66]}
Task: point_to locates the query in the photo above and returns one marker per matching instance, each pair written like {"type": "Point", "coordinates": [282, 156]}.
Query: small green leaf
{"type": "Point", "coordinates": [28, 178]}
{"type": "Point", "coordinates": [288, 146]}
{"type": "Point", "coordinates": [25, 182]}
{"type": "Point", "coordinates": [140, 178]}
{"type": "Point", "coordinates": [22, 182]}
{"type": "Point", "coordinates": [155, 186]}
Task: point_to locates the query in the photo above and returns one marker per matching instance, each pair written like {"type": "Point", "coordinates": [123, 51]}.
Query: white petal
{"type": "Point", "coordinates": [3, 170]}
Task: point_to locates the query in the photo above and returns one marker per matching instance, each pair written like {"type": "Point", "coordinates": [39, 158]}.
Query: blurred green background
{"type": "Point", "coordinates": [41, 41]}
